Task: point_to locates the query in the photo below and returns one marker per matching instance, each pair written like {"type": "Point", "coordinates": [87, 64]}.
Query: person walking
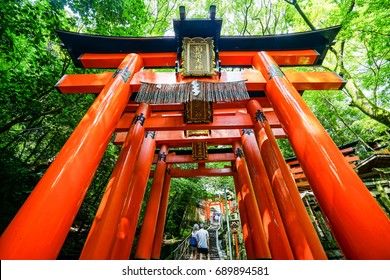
{"type": "Point", "coordinates": [194, 242]}
{"type": "Point", "coordinates": [203, 239]}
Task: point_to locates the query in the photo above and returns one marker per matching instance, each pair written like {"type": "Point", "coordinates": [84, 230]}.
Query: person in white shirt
{"type": "Point", "coordinates": [202, 237]}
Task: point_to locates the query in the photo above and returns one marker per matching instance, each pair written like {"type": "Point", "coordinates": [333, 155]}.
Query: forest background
{"type": "Point", "coordinates": [36, 120]}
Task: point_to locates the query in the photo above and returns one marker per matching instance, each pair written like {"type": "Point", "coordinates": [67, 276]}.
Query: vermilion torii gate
{"type": "Point", "coordinates": [274, 221]}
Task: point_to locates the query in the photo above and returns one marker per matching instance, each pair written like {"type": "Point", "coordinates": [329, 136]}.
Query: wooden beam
{"type": "Point", "coordinates": [269, 113]}
{"type": "Point", "coordinates": [236, 58]}
{"type": "Point", "coordinates": [315, 80]}
{"type": "Point", "coordinates": [279, 133]}
{"type": "Point", "coordinates": [297, 57]}
{"type": "Point", "coordinates": [132, 106]}
{"type": "Point", "coordinates": [83, 83]}
{"type": "Point", "coordinates": [345, 152]}
{"type": "Point", "coordinates": [94, 83]}
{"type": "Point", "coordinates": [283, 58]}
{"type": "Point", "coordinates": [175, 121]}
{"type": "Point", "coordinates": [94, 60]}
{"type": "Point", "coordinates": [227, 157]}
{"type": "Point", "coordinates": [203, 172]}
{"type": "Point", "coordinates": [177, 138]}
{"type": "Point", "coordinates": [253, 79]}
{"type": "Point", "coordinates": [230, 58]}
{"type": "Point", "coordinates": [240, 121]}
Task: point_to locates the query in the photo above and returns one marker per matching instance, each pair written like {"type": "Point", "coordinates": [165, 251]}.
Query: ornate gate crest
{"type": "Point", "coordinates": [198, 56]}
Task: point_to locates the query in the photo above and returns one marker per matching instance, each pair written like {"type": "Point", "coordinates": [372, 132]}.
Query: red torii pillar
{"type": "Point", "coordinates": [162, 213]}
{"type": "Point", "coordinates": [301, 233]}
{"type": "Point", "coordinates": [260, 245]}
{"type": "Point", "coordinates": [148, 230]}
{"type": "Point", "coordinates": [244, 221]}
{"type": "Point", "coordinates": [359, 225]}
{"type": "Point", "coordinates": [207, 208]}
{"type": "Point", "coordinates": [272, 221]}
{"type": "Point", "coordinates": [99, 242]}
{"type": "Point", "coordinates": [132, 206]}
{"type": "Point", "coordinates": [42, 224]}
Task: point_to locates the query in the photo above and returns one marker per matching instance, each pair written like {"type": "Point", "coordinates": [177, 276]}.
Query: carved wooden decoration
{"type": "Point", "coordinates": [199, 150]}
{"type": "Point", "coordinates": [198, 111]}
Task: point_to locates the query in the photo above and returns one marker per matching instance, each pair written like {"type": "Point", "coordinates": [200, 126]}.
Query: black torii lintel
{"type": "Point", "coordinates": [77, 44]}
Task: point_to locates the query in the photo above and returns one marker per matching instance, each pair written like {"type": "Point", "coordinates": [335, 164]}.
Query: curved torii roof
{"type": "Point", "coordinates": [78, 43]}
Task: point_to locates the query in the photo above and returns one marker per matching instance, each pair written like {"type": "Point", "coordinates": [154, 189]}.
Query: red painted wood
{"type": "Point", "coordinates": [94, 83]}
{"type": "Point", "coordinates": [228, 157]}
{"type": "Point", "coordinates": [149, 224]}
{"type": "Point", "coordinates": [360, 226]}
{"type": "Point", "coordinates": [90, 60]}
{"type": "Point", "coordinates": [315, 80]}
{"type": "Point", "coordinates": [303, 238]}
{"type": "Point", "coordinates": [132, 106]}
{"type": "Point", "coordinates": [310, 233]}
{"type": "Point", "coordinates": [272, 221]}
{"type": "Point", "coordinates": [99, 243]}
{"type": "Point", "coordinates": [294, 57]}
{"type": "Point", "coordinates": [260, 245]}
{"type": "Point", "coordinates": [244, 220]}
{"type": "Point", "coordinates": [240, 58]}
{"type": "Point", "coordinates": [162, 212]}
{"type": "Point", "coordinates": [83, 83]}
{"type": "Point", "coordinates": [254, 81]}
{"type": "Point", "coordinates": [178, 139]}
{"type": "Point", "coordinates": [207, 172]}
{"type": "Point", "coordinates": [132, 207]}
{"type": "Point", "coordinates": [177, 123]}
{"type": "Point", "coordinates": [42, 224]}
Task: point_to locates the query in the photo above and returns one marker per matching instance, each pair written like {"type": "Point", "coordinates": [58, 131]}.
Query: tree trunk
{"type": "Point", "coordinates": [360, 101]}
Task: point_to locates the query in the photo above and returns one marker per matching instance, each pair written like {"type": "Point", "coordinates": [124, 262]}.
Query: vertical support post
{"type": "Point", "coordinates": [260, 245]}
{"type": "Point", "coordinates": [359, 225]}
{"type": "Point", "coordinates": [272, 221]}
{"type": "Point", "coordinates": [236, 244]}
{"type": "Point", "coordinates": [250, 255]}
{"type": "Point", "coordinates": [99, 242]}
{"type": "Point", "coordinates": [132, 207]}
{"type": "Point", "coordinates": [42, 224]}
{"type": "Point", "coordinates": [208, 212]}
{"type": "Point", "coordinates": [148, 230]}
{"type": "Point", "coordinates": [227, 212]}
{"type": "Point", "coordinates": [302, 236]}
{"type": "Point", "coordinates": [162, 212]}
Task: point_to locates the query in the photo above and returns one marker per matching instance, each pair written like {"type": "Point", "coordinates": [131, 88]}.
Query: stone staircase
{"type": "Point", "coordinates": [213, 250]}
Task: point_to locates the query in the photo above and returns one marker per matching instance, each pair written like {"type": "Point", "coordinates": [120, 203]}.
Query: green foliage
{"type": "Point", "coordinates": [285, 147]}
{"type": "Point", "coordinates": [345, 123]}
{"type": "Point", "coordinates": [16, 180]}
{"type": "Point", "coordinates": [115, 17]}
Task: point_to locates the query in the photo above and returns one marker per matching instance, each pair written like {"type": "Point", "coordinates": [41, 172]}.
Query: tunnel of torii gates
{"type": "Point", "coordinates": [202, 103]}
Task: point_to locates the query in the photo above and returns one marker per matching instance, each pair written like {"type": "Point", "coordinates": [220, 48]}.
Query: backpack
{"type": "Point", "coordinates": [193, 241]}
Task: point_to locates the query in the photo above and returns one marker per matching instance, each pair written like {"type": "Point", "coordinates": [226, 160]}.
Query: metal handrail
{"type": "Point", "coordinates": [183, 247]}
{"type": "Point", "coordinates": [182, 250]}
{"type": "Point", "coordinates": [216, 236]}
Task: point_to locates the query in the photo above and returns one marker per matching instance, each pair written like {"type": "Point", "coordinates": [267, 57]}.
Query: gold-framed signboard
{"type": "Point", "coordinates": [198, 111]}
{"type": "Point", "coordinates": [199, 151]}
{"type": "Point", "coordinates": [198, 56]}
